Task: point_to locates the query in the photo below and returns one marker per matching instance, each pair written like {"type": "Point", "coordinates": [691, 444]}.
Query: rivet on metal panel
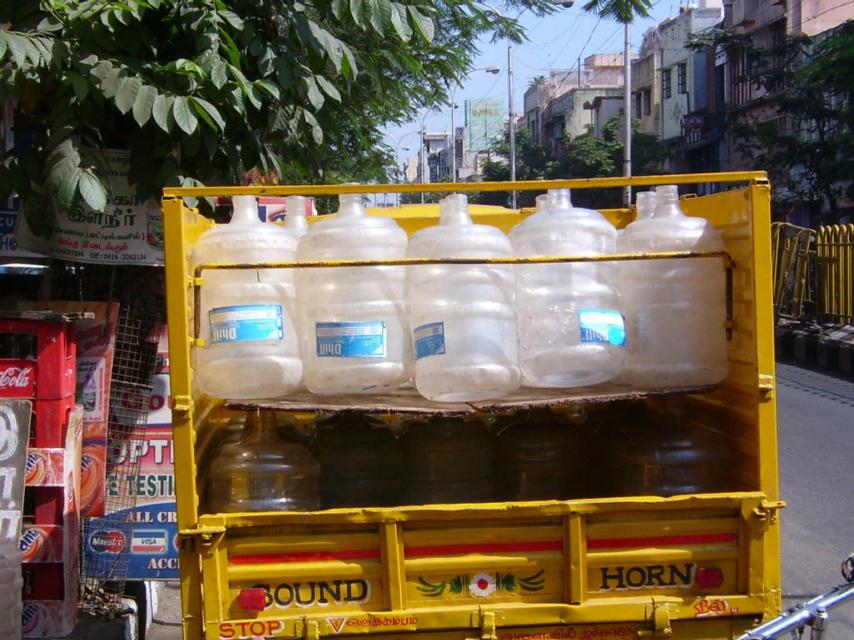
{"type": "Point", "coordinates": [487, 626]}
{"type": "Point", "coordinates": [197, 342]}
{"type": "Point", "coordinates": [312, 630]}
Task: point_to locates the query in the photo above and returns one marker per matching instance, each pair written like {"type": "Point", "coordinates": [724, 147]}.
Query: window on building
{"type": "Point", "coordinates": [741, 87]}
{"type": "Point", "coordinates": [638, 110]}
{"type": "Point", "coordinates": [647, 102]}
{"type": "Point", "coordinates": [666, 89]}
{"type": "Point", "coordinates": [682, 78]}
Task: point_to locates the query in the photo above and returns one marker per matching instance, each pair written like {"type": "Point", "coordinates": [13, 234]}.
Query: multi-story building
{"type": "Point", "coordinates": [554, 106]}
{"type": "Point", "coordinates": [679, 76]}
{"type": "Point", "coordinates": [436, 151]}
{"type": "Point", "coordinates": [646, 95]}
{"type": "Point", "coordinates": [765, 25]}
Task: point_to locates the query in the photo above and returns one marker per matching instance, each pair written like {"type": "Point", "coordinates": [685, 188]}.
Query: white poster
{"type": "Point", "coordinates": [129, 231]}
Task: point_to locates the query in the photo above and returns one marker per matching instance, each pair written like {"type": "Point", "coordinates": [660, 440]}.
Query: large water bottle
{"type": "Point", "coordinates": [675, 309]}
{"type": "Point", "coordinates": [571, 330]}
{"type": "Point", "coordinates": [462, 316]}
{"type": "Point", "coordinates": [354, 324]}
{"type": "Point", "coordinates": [263, 472]}
{"type": "Point", "coordinates": [248, 323]}
{"type": "Point", "coordinates": [295, 222]}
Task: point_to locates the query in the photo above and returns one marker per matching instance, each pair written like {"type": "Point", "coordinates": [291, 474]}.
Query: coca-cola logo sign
{"type": "Point", "coordinates": [16, 377]}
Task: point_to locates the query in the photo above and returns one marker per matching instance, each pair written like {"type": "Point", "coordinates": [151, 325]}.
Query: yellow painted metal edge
{"type": "Point", "coordinates": [460, 187]}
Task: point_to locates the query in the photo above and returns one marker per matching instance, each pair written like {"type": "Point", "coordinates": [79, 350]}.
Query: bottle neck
{"type": "Point", "coordinates": [245, 210]}
{"type": "Point", "coordinates": [454, 210]}
{"type": "Point", "coordinates": [350, 206]}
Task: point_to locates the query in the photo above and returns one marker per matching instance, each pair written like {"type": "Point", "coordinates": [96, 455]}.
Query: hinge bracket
{"type": "Point", "coordinates": [659, 616]}
{"type": "Point", "coordinates": [487, 626]}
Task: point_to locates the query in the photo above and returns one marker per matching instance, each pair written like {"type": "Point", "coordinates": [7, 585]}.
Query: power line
{"type": "Point", "coordinates": [818, 15]}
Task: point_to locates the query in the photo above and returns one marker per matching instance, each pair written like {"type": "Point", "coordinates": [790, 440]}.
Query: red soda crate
{"type": "Point", "coordinates": [50, 421]}
{"type": "Point", "coordinates": [37, 359]}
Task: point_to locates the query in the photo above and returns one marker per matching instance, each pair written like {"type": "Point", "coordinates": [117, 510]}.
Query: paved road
{"type": "Point", "coordinates": [816, 436]}
{"type": "Point", "coordinates": [816, 440]}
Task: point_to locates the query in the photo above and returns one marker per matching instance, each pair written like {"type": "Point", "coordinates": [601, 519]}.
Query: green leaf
{"type": "Point", "coordinates": [423, 24]}
{"type": "Point", "coordinates": [252, 95]}
{"type": "Point", "coordinates": [270, 87]}
{"type": "Point", "coordinates": [110, 83]}
{"type": "Point", "coordinates": [230, 48]}
{"type": "Point", "coordinates": [232, 19]}
{"type": "Point", "coordinates": [357, 11]}
{"type": "Point", "coordinates": [348, 64]}
{"type": "Point", "coordinates": [184, 117]}
{"type": "Point", "coordinates": [162, 112]}
{"type": "Point", "coordinates": [208, 113]}
{"type": "Point", "coordinates": [79, 84]}
{"type": "Point", "coordinates": [17, 48]}
{"type": "Point", "coordinates": [67, 188]}
{"type": "Point", "coordinates": [399, 21]}
{"type": "Point", "coordinates": [313, 93]}
{"type": "Point", "coordinates": [144, 104]}
{"type": "Point", "coordinates": [126, 93]}
{"type": "Point", "coordinates": [219, 73]}
{"type": "Point", "coordinates": [339, 8]}
{"type": "Point", "coordinates": [316, 130]}
{"type": "Point", "coordinates": [328, 88]}
{"type": "Point", "coordinates": [375, 16]}
{"type": "Point", "coordinates": [92, 190]}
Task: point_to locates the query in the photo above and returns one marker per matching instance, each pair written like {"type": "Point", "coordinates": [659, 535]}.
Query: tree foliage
{"type": "Point", "coordinates": [800, 128]}
{"type": "Point", "coordinates": [205, 91]}
{"type": "Point", "coordinates": [585, 156]}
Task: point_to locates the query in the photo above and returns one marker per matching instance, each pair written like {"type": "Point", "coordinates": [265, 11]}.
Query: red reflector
{"type": "Point", "coordinates": [251, 599]}
{"type": "Point", "coordinates": [709, 578]}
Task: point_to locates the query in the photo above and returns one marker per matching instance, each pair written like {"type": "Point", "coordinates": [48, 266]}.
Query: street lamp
{"type": "Point", "coordinates": [492, 69]}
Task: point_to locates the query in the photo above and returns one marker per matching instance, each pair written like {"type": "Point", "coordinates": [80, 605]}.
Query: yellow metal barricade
{"type": "Point", "coordinates": [835, 273]}
{"type": "Point", "coordinates": [701, 566]}
{"type": "Point", "coordinates": [793, 255]}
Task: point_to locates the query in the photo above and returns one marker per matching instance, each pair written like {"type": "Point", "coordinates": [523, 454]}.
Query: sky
{"type": "Point", "coordinates": [554, 42]}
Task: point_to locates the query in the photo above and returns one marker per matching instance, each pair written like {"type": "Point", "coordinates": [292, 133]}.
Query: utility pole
{"type": "Point", "coordinates": [423, 159]}
{"type": "Point", "coordinates": [512, 120]}
{"type": "Point", "coordinates": [627, 113]}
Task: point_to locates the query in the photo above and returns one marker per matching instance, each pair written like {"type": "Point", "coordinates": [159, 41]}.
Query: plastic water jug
{"type": "Point", "coordinates": [248, 322]}
{"type": "Point", "coordinates": [571, 330]}
{"type": "Point", "coordinates": [361, 462]}
{"type": "Point", "coordinates": [353, 320]}
{"type": "Point", "coordinates": [449, 461]}
{"type": "Point", "coordinates": [462, 316]}
{"type": "Point", "coordinates": [295, 222]}
{"type": "Point", "coordinates": [263, 472]}
{"type": "Point", "coordinates": [537, 457]}
{"type": "Point", "coordinates": [675, 309]}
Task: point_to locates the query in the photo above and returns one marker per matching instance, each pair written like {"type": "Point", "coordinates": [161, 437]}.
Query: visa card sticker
{"type": "Point", "coordinates": [605, 326]}
{"type": "Point", "coordinates": [429, 340]}
{"type": "Point", "coordinates": [351, 339]}
{"type": "Point", "coordinates": [247, 323]}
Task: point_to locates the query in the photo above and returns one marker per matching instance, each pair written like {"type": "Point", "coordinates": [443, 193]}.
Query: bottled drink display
{"type": "Point", "coordinates": [263, 472]}
{"type": "Point", "coordinates": [449, 461]}
{"type": "Point", "coordinates": [361, 462]}
{"type": "Point", "coordinates": [571, 330]}
{"type": "Point", "coordinates": [248, 321]}
{"type": "Point", "coordinates": [462, 316]}
{"type": "Point", "coordinates": [353, 320]}
{"type": "Point", "coordinates": [675, 309]}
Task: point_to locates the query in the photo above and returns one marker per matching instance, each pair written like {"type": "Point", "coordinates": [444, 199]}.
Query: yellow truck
{"type": "Point", "coordinates": [694, 566]}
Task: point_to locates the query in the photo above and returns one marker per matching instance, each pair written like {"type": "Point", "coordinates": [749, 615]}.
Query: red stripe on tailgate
{"type": "Point", "coordinates": [488, 547]}
{"type": "Point", "coordinates": [306, 556]}
{"type": "Point", "coordinates": [660, 541]}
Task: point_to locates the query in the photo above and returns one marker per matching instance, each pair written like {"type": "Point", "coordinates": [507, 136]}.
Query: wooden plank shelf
{"type": "Point", "coordinates": [410, 402]}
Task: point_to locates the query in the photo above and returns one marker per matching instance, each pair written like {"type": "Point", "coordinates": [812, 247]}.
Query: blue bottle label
{"type": "Point", "coordinates": [602, 325]}
{"type": "Point", "coordinates": [429, 340]}
{"type": "Point", "coordinates": [351, 339]}
{"type": "Point", "coordinates": [247, 323]}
